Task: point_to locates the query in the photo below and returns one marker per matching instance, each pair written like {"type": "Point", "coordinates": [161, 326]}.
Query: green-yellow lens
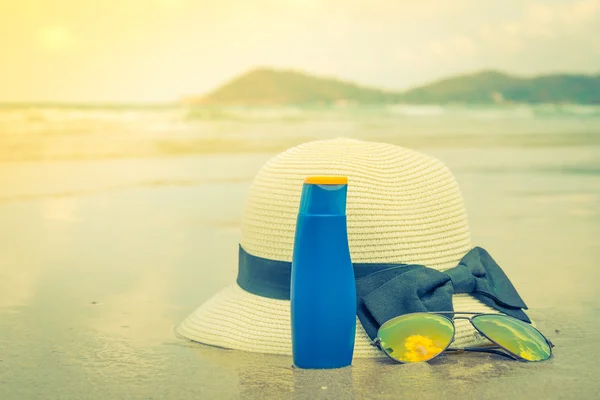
{"type": "Point", "coordinates": [416, 337]}
{"type": "Point", "coordinates": [514, 335]}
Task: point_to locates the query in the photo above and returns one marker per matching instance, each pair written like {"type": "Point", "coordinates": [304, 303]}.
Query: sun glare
{"type": "Point", "coordinates": [56, 38]}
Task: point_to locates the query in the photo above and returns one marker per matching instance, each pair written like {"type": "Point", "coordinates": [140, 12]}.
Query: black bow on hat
{"type": "Point", "coordinates": [402, 289]}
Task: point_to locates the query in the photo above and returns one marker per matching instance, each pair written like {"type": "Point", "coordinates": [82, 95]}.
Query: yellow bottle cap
{"type": "Point", "coordinates": [326, 180]}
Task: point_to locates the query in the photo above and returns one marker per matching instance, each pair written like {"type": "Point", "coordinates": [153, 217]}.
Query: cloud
{"type": "Point", "coordinates": [546, 21]}
{"type": "Point", "coordinates": [542, 31]}
{"type": "Point", "coordinates": [437, 51]}
{"type": "Point", "coordinates": [554, 18]}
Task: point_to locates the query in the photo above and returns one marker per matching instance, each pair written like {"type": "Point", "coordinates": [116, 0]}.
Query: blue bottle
{"type": "Point", "coordinates": [323, 288]}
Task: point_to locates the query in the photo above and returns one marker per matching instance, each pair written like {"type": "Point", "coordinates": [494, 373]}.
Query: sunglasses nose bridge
{"type": "Point", "coordinates": [467, 318]}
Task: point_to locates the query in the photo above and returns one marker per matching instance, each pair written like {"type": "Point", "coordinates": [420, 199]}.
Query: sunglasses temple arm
{"type": "Point", "coordinates": [484, 350]}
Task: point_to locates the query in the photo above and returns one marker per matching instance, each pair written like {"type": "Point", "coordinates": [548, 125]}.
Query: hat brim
{"type": "Point", "coordinates": [236, 319]}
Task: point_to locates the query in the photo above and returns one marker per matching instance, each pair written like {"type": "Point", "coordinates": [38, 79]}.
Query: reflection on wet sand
{"type": "Point", "coordinates": [17, 285]}
{"type": "Point", "coordinates": [141, 314]}
{"type": "Point", "coordinates": [24, 265]}
{"type": "Point", "coordinates": [258, 375]}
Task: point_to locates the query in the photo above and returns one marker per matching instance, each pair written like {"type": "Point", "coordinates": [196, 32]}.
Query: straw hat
{"type": "Point", "coordinates": [402, 207]}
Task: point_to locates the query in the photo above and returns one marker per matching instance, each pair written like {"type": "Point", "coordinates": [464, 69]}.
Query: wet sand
{"type": "Point", "coordinates": [99, 259]}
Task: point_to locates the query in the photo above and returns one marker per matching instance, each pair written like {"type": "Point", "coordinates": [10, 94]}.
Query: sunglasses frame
{"type": "Point", "coordinates": [497, 349]}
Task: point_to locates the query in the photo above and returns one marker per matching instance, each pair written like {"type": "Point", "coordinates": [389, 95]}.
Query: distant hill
{"type": "Point", "coordinates": [266, 86]}
{"type": "Point", "coordinates": [494, 86]}
{"type": "Point", "coordinates": [269, 86]}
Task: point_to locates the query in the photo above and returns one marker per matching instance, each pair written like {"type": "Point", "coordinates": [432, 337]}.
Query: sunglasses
{"type": "Point", "coordinates": [422, 336]}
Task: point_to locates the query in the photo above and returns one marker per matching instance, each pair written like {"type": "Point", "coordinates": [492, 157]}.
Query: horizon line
{"type": "Point", "coordinates": [183, 98]}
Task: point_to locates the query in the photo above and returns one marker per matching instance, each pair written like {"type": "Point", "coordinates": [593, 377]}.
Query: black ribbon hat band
{"type": "Point", "coordinates": [385, 291]}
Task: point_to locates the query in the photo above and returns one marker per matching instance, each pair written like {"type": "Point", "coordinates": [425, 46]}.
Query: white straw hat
{"type": "Point", "coordinates": [402, 207]}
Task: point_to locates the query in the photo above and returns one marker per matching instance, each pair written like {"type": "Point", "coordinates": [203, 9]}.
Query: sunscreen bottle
{"type": "Point", "coordinates": [323, 287]}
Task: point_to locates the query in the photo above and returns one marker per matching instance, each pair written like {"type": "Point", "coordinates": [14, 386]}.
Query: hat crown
{"type": "Point", "coordinates": [402, 205]}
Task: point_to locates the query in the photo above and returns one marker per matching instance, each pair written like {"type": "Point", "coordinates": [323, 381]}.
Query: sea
{"type": "Point", "coordinates": [117, 221]}
{"type": "Point", "coordinates": [77, 132]}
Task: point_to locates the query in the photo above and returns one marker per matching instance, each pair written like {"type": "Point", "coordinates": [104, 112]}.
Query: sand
{"type": "Point", "coordinates": [99, 259]}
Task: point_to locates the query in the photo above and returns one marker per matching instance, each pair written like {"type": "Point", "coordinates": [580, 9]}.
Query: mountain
{"type": "Point", "coordinates": [267, 86]}
{"type": "Point", "coordinates": [480, 87]}
{"type": "Point", "coordinates": [495, 86]}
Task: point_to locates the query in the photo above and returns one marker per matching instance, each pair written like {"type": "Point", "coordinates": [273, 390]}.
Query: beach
{"type": "Point", "coordinates": [116, 223]}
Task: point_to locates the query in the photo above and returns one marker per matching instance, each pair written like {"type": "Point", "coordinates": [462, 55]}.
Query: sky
{"type": "Point", "coordinates": [148, 51]}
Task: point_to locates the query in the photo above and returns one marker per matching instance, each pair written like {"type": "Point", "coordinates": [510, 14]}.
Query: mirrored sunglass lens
{"type": "Point", "coordinates": [416, 337]}
{"type": "Point", "coordinates": [514, 335]}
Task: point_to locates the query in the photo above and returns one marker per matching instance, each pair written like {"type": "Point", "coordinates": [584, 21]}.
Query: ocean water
{"type": "Point", "coordinates": [116, 222]}
{"type": "Point", "coordinates": [36, 133]}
